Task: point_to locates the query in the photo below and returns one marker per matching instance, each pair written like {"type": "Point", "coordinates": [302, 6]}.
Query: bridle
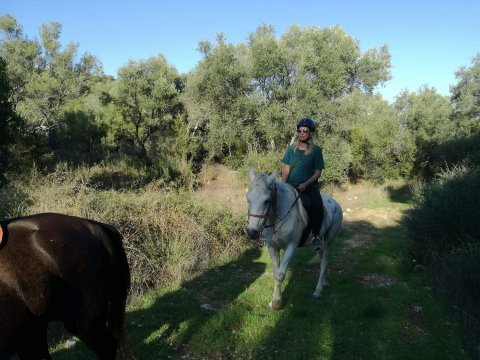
{"type": "Point", "coordinates": [272, 204]}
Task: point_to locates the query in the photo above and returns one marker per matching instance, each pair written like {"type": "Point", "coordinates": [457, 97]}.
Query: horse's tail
{"type": "Point", "coordinates": [120, 290]}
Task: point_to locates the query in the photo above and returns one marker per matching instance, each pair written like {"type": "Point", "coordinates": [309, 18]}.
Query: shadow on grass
{"type": "Point", "coordinates": [179, 314]}
{"type": "Point", "coordinates": [375, 308]}
{"type": "Point", "coordinates": [402, 194]}
{"type": "Point", "coordinates": [356, 318]}
{"type": "Point", "coordinates": [162, 329]}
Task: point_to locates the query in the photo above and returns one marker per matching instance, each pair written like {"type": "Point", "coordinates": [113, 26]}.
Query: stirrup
{"type": "Point", "coordinates": [317, 243]}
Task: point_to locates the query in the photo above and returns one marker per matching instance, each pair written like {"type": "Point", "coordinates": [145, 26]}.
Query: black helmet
{"type": "Point", "coordinates": [308, 123]}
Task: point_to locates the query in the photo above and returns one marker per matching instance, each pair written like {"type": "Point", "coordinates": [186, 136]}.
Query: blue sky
{"type": "Point", "coordinates": [428, 40]}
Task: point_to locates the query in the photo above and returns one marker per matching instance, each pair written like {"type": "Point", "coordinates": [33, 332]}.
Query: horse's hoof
{"type": "Point", "coordinates": [275, 305]}
{"type": "Point", "coordinates": [316, 296]}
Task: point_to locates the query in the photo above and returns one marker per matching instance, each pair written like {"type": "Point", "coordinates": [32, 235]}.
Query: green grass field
{"type": "Point", "coordinates": [377, 307]}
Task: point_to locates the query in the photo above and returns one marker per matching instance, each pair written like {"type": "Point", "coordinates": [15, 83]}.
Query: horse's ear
{"type": "Point", "coordinates": [272, 178]}
{"type": "Point", "coordinates": [252, 173]}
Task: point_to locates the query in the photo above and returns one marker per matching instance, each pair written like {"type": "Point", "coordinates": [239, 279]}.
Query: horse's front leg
{"type": "Point", "coordinates": [322, 280]}
{"type": "Point", "coordinates": [276, 302]}
{"type": "Point", "coordinates": [289, 252]}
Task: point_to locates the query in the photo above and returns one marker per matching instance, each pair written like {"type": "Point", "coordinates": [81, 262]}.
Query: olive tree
{"type": "Point", "coordinates": [147, 95]}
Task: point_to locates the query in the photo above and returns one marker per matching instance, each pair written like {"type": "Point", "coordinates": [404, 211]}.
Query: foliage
{"type": "Point", "coordinates": [265, 162]}
{"type": "Point", "coordinates": [262, 87]}
{"type": "Point", "coordinates": [463, 151]}
{"type": "Point", "coordinates": [43, 75]}
{"type": "Point", "coordinates": [78, 138]}
{"type": "Point", "coordinates": [444, 226]}
{"type": "Point", "coordinates": [147, 96]}
{"type": "Point", "coordinates": [381, 147]}
{"type": "Point", "coordinates": [239, 103]}
{"type": "Point", "coordinates": [44, 78]}
{"type": "Point", "coordinates": [9, 122]}
{"type": "Point", "coordinates": [446, 214]}
{"type": "Point", "coordinates": [426, 116]}
{"type": "Point", "coordinates": [466, 99]}
{"type": "Point", "coordinates": [169, 235]}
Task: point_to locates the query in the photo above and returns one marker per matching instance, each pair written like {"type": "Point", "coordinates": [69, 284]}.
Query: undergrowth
{"type": "Point", "coordinates": [169, 235]}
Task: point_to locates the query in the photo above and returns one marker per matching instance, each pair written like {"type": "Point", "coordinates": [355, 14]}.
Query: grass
{"type": "Point", "coordinates": [377, 307]}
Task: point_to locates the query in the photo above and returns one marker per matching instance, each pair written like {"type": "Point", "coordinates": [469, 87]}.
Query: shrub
{"type": "Point", "coordinates": [446, 215]}
{"type": "Point", "coordinates": [169, 236]}
{"type": "Point", "coordinates": [444, 226]}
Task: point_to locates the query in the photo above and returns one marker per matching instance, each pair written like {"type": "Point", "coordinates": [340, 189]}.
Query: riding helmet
{"type": "Point", "coordinates": [308, 123]}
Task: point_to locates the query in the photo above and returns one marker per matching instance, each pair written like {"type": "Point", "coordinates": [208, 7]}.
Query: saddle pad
{"type": "Point", "coordinates": [1, 234]}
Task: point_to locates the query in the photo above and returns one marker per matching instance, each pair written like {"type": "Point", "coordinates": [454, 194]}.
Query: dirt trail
{"type": "Point", "coordinates": [223, 186]}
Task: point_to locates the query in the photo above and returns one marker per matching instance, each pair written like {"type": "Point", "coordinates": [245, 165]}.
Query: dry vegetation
{"type": "Point", "coordinates": [223, 186]}
{"type": "Point", "coordinates": [171, 235]}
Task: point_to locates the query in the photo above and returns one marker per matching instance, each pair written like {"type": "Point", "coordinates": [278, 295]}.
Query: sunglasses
{"type": "Point", "coordinates": [303, 131]}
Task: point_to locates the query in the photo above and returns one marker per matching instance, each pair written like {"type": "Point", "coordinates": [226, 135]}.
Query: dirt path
{"type": "Point", "coordinates": [223, 186]}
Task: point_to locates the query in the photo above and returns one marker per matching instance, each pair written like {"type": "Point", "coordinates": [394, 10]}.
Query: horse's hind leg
{"type": "Point", "coordinates": [35, 343]}
{"type": "Point", "coordinates": [101, 341]}
{"type": "Point", "coordinates": [91, 327]}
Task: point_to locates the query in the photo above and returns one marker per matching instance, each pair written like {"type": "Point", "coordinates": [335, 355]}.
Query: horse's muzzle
{"type": "Point", "coordinates": [252, 234]}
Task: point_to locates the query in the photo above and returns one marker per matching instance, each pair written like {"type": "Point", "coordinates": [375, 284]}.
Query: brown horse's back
{"type": "Point", "coordinates": [58, 267]}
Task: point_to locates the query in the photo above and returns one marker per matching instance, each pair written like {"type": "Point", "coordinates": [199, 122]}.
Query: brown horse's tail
{"type": "Point", "coordinates": [120, 290]}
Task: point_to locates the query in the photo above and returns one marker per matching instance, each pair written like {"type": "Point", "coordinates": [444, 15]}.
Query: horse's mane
{"type": "Point", "coordinates": [285, 186]}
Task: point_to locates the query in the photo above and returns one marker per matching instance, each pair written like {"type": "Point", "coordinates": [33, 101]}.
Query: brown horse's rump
{"type": "Point", "coordinates": [61, 268]}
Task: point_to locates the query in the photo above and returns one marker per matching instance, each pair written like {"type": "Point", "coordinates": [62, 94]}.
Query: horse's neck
{"type": "Point", "coordinates": [285, 198]}
{"type": "Point", "coordinates": [289, 202]}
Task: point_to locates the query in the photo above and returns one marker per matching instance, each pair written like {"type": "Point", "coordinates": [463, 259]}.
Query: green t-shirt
{"type": "Point", "coordinates": [302, 166]}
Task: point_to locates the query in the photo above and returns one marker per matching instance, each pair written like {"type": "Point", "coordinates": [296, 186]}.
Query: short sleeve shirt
{"type": "Point", "coordinates": [302, 166]}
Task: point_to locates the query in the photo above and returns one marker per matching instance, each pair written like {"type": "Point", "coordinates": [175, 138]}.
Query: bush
{"type": "Point", "coordinates": [456, 276]}
{"type": "Point", "coordinates": [444, 226]}
{"type": "Point", "coordinates": [169, 236]}
{"type": "Point", "coordinates": [263, 162]}
{"type": "Point", "coordinates": [446, 214]}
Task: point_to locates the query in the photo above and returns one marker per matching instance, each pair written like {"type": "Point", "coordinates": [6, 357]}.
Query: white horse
{"type": "Point", "coordinates": [276, 213]}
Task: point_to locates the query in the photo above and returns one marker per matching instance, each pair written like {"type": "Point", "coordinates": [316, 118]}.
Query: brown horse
{"type": "Point", "coordinates": [61, 268]}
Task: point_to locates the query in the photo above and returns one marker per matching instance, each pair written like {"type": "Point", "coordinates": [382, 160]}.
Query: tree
{"type": "Point", "coordinates": [9, 121]}
{"type": "Point", "coordinates": [426, 116]}
{"type": "Point", "coordinates": [465, 98]}
{"type": "Point", "coordinates": [217, 99]}
{"type": "Point", "coordinates": [44, 77]}
{"type": "Point", "coordinates": [148, 97]}
{"type": "Point", "coordinates": [22, 56]}
{"type": "Point", "coordinates": [381, 146]}
{"type": "Point", "coordinates": [258, 89]}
